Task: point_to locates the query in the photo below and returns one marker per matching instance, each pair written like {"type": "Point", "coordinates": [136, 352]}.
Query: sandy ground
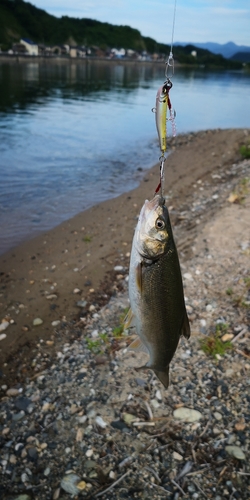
{"type": "Point", "coordinates": [46, 277]}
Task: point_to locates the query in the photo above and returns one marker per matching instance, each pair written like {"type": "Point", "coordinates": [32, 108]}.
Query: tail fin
{"type": "Point", "coordinates": [163, 376]}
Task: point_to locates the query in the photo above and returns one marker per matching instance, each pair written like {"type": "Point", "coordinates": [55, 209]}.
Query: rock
{"type": "Point", "coordinates": [22, 403]}
{"type": "Point", "coordinates": [236, 452]}
{"type": "Point", "coordinates": [227, 337]}
{"type": "Point", "coordinates": [89, 453]}
{"type": "Point", "coordinates": [76, 290]}
{"type": "Point", "coordinates": [37, 321]}
{"type": "Point", "coordinates": [12, 392]}
{"type": "Point", "coordinates": [217, 415]}
{"type": "Point", "coordinates": [100, 422]}
{"type": "Point", "coordinates": [3, 336]}
{"type": "Point", "coordinates": [32, 453]}
{"type": "Point", "coordinates": [118, 268]}
{"type": "Point", "coordinates": [187, 414]}
{"type": "Point", "coordinates": [128, 418]}
{"type": "Point", "coordinates": [188, 276]}
{"type": "Point", "coordinates": [81, 303]}
{"type": "Point", "coordinates": [51, 296]}
{"type": "Point", "coordinates": [177, 456]}
{"type": "Point", "coordinates": [56, 322]}
{"type": "Point", "coordinates": [81, 485]}
{"type": "Point", "coordinates": [69, 484]}
{"type": "Point", "coordinates": [4, 325]}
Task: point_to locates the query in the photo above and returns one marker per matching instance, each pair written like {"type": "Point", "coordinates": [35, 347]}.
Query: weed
{"type": "Point", "coordinates": [213, 344]}
{"type": "Point", "coordinates": [118, 331]}
{"type": "Point", "coordinates": [240, 192]}
{"type": "Point", "coordinates": [94, 345]}
{"type": "Point", "coordinates": [229, 291]}
{"type": "Point", "coordinates": [87, 238]}
{"type": "Point", "coordinates": [245, 151]}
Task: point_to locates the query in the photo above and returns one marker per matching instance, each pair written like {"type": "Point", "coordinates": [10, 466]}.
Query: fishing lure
{"type": "Point", "coordinates": [163, 104]}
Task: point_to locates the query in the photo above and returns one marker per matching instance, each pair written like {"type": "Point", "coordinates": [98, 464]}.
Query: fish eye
{"type": "Point", "coordinates": [159, 224]}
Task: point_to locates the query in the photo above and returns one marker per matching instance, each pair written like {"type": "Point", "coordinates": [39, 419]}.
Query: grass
{"type": "Point", "coordinates": [87, 239]}
{"type": "Point", "coordinates": [245, 151]}
{"type": "Point", "coordinates": [213, 345]}
{"type": "Point", "coordinates": [240, 192]}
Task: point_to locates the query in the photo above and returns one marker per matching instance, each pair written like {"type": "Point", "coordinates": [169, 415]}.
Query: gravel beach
{"type": "Point", "coordinates": [77, 420]}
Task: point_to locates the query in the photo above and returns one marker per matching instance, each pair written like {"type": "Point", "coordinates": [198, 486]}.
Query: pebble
{"type": "Point", "coordinates": [227, 337]}
{"type": "Point", "coordinates": [95, 334]}
{"type": "Point", "coordinates": [69, 484]}
{"type": "Point", "coordinates": [188, 276]}
{"type": "Point", "coordinates": [12, 392]}
{"type": "Point", "coordinates": [3, 336]}
{"type": "Point", "coordinates": [217, 415]}
{"type": "Point", "coordinates": [236, 452]}
{"type": "Point", "coordinates": [118, 268]}
{"type": "Point", "coordinates": [177, 456]}
{"type": "Point", "coordinates": [56, 322]}
{"type": "Point", "coordinates": [99, 420]}
{"type": "Point", "coordinates": [89, 453]}
{"type": "Point", "coordinates": [187, 414]}
{"type": "Point", "coordinates": [4, 325]}
{"type": "Point", "coordinates": [37, 321]}
{"type": "Point", "coordinates": [51, 296]}
{"type": "Point", "coordinates": [76, 290]}
{"type": "Point", "coordinates": [81, 303]}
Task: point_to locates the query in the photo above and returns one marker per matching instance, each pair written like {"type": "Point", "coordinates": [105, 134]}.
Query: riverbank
{"type": "Point", "coordinates": [76, 418]}
{"type": "Point", "coordinates": [50, 276]}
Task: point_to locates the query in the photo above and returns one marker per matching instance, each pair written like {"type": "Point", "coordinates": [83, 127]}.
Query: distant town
{"type": "Point", "coordinates": [27, 47]}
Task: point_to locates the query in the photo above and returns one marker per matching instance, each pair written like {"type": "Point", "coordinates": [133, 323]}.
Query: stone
{"type": "Point", "coordinates": [3, 336]}
{"type": "Point", "coordinates": [69, 484]}
{"type": "Point", "coordinates": [236, 452]}
{"type": "Point", "coordinates": [177, 456]}
{"type": "Point", "coordinates": [22, 403]}
{"type": "Point", "coordinates": [100, 422]}
{"type": "Point", "coordinates": [37, 322]}
{"type": "Point", "coordinates": [81, 303]}
{"type": "Point", "coordinates": [12, 392]}
{"type": "Point", "coordinates": [51, 296]}
{"type": "Point", "coordinates": [227, 337]}
{"type": "Point", "coordinates": [56, 322]}
{"type": "Point", "coordinates": [4, 325]}
{"type": "Point", "coordinates": [217, 415]}
{"type": "Point", "coordinates": [187, 414]}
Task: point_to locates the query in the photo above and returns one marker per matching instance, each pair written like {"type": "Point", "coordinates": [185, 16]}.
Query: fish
{"type": "Point", "coordinates": [157, 305]}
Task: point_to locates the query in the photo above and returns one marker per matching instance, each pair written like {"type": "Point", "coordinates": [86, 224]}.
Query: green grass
{"type": "Point", "coordinates": [213, 344]}
{"type": "Point", "coordinates": [245, 151]}
{"type": "Point", "coordinates": [87, 239]}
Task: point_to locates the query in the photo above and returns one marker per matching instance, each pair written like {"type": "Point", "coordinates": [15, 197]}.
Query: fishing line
{"type": "Point", "coordinates": [164, 107]}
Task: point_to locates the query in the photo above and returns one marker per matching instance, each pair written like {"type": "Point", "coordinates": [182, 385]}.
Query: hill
{"type": "Point", "coordinates": [19, 19]}
{"type": "Point", "coordinates": [227, 50]}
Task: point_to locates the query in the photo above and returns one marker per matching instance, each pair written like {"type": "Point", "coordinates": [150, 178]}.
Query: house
{"type": "Point", "coordinates": [31, 47]}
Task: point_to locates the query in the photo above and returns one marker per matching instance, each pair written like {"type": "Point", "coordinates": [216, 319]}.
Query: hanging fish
{"type": "Point", "coordinates": [156, 290]}
{"type": "Point", "coordinates": [163, 104]}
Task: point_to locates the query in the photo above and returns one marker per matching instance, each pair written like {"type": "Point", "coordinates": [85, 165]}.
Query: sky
{"type": "Point", "coordinates": [197, 21]}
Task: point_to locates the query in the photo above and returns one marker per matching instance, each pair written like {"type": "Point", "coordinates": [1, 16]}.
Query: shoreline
{"type": "Point", "coordinates": [75, 262]}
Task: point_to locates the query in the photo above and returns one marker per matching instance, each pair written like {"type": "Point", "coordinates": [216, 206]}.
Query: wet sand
{"type": "Point", "coordinates": [46, 276]}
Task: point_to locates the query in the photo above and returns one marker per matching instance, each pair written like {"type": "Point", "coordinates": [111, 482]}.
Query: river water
{"type": "Point", "coordinates": [73, 134]}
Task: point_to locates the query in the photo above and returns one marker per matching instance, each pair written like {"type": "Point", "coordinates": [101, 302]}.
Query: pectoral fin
{"type": "Point", "coordinates": [138, 276]}
{"type": "Point", "coordinates": [185, 329]}
{"type": "Point", "coordinates": [129, 319]}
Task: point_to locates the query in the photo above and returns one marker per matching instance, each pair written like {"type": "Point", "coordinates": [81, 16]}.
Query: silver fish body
{"type": "Point", "coordinates": [156, 289]}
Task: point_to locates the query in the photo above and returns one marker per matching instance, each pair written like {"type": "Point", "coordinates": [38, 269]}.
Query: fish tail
{"type": "Point", "coordinates": [163, 376]}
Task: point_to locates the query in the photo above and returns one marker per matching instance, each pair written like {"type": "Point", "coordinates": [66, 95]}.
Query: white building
{"type": "Point", "coordinates": [31, 47]}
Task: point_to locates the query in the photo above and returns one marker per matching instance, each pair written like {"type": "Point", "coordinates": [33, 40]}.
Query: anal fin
{"type": "Point", "coordinates": [137, 345]}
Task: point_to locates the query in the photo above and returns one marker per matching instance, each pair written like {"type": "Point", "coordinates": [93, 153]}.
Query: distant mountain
{"type": "Point", "coordinates": [243, 57]}
{"type": "Point", "coordinates": [227, 50]}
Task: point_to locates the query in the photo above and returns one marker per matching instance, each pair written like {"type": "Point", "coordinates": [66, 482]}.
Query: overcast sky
{"type": "Point", "coordinates": [218, 21]}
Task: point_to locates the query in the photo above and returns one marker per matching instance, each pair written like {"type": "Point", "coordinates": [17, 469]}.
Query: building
{"type": "Point", "coordinates": [31, 47]}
